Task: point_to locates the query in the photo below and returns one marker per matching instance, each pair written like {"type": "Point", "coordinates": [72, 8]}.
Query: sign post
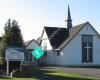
{"type": "Point", "coordinates": [12, 54]}
{"type": "Point", "coordinates": [7, 67]}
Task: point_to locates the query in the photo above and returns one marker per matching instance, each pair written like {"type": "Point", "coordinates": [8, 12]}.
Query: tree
{"type": "Point", "coordinates": [12, 37]}
{"type": "Point", "coordinates": [5, 39]}
{"type": "Point", "coordinates": [16, 36]}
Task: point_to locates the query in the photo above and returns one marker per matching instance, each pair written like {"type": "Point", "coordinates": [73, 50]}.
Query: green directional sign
{"type": "Point", "coordinates": [37, 53]}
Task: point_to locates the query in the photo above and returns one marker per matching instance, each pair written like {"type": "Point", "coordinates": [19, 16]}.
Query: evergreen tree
{"type": "Point", "coordinates": [12, 37]}
{"type": "Point", "coordinates": [5, 39]}
{"type": "Point", "coordinates": [16, 36]}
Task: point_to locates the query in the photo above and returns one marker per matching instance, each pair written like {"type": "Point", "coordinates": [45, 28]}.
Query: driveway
{"type": "Point", "coordinates": [92, 72]}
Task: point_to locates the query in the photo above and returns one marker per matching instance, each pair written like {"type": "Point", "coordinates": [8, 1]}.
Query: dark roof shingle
{"type": "Point", "coordinates": [72, 32]}
{"type": "Point", "coordinates": [63, 36]}
{"type": "Point", "coordinates": [56, 35]}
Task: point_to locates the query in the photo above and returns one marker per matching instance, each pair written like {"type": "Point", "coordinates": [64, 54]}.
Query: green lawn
{"type": "Point", "coordinates": [38, 74]}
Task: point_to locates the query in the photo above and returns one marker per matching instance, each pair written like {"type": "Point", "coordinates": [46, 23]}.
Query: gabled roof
{"type": "Point", "coordinates": [38, 40]}
{"type": "Point", "coordinates": [56, 35]}
{"type": "Point", "coordinates": [29, 42]}
{"type": "Point", "coordinates": [63, 37]}
{"type": "Point", "coordinates": [74, 31]}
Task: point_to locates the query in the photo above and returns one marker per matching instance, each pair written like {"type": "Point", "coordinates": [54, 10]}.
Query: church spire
{"type": "Point", "coordinates": [69, 21]}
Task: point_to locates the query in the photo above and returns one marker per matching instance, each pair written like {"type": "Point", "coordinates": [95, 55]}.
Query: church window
{"type": "Point", "coordinates": [58, 53]}
{"type": "Point", "coordinates": [87, 48]}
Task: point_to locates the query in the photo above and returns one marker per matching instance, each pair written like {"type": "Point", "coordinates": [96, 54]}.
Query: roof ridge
{"type": "Point", "coordinates": [80, 24]}
{"type": "Point", "coordinates": [64, 27]}
{"type": "Point", "coordinates": [30, 41]}
{"type": "Point", "coordinates": [76, 29]}
{"type": "Point", "coordinates": [53, 27]}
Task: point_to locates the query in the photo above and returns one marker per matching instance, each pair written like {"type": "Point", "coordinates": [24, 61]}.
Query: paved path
{"type": "Point", "coordinates": [92, 72]}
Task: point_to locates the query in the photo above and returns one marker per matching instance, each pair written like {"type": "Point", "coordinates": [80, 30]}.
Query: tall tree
{"type": "Point", "coordinates": [5, 39]}
{"type": "Point", "coordinates": [7, 30]}
{"type": "Point", "coordinates": [16, 36]}
{"type": "Point", "coordinates": [12, 36]}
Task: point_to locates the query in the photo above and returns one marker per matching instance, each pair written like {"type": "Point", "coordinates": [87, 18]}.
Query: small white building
{"type": "Point", "coordinates": [71, 46]}
{"type": "Point", "coordinates": [29, 46]}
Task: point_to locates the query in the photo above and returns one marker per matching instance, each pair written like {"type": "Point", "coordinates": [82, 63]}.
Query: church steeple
{"type": "Point", "coordinates": [69, 21]}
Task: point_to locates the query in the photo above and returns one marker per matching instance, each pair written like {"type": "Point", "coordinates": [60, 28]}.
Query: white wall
{"type": "Point", "coordinates": [96, 50]}
{"type": "Point", "coordinates": [73, 51]}
{"type": "Point", "coordinates": [46, 40]}
{"type": "Point", "coordinates": [32, 45]}
{"type": "Point", "coordinates": [58, 60]}
{"type": "Point", "coordinates": [50, 56]}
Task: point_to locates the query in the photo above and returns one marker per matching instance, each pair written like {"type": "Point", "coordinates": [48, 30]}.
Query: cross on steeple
{"type": "Point", "coordinates": [69, 21]}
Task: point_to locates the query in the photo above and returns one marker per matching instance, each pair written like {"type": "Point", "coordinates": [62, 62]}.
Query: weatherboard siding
{"type": "Point", "coordinates": [96, 50]}
{"type": "Point", "coordinates": [28, 50]}
{"type": "Point", "coordinates": [58, 60]}
{"type": "Point", "coordinates": [72, 53]}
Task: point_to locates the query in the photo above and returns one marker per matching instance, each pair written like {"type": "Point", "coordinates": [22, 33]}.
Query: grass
{"type": "Point", "coordinates": [39, 74]}
{"type": "Point", "coordinates": [18, 78]}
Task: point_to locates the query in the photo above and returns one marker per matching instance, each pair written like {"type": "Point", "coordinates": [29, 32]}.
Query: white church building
{"type": "Point", "coordinates": [71, 46]}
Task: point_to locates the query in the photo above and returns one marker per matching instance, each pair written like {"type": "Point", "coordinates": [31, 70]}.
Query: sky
{"type": "Point", "coordinates": [33, 15]}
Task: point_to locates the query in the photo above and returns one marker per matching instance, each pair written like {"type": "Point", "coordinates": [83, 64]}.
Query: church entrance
{"type": "Point", "coordinates": [87, 48]}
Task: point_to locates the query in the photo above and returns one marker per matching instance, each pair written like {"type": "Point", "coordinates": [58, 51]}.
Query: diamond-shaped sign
{"type": "Point", "coordinates": [37, 53]}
